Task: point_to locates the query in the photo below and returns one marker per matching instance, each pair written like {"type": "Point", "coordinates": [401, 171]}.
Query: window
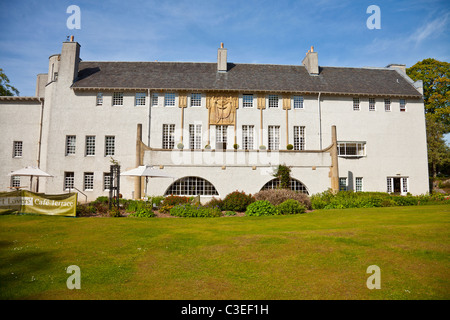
{"type": "Point", "coordinates": [106, 180]}
{"type": "Point", "coordinates": [90, 145]}
{"type": "Point", "coordinates": [352, 149]}
{"type": "Point", "coordinates": [402, 105]}
{"type": "Point", "coordinates": [399, 185]}
{"type": "Point", "coordinates": [15, 181]}
{"type": "Point", "coordinates": [342, 184]}
{"type": "Point", "coordinates": [247, 101]}
{"type": "Point", "coordinates": [298, 102]}
{"type": "Point", "coordinates": [69, 179]}
{"type": "Point", "coordinates": [273, 101]}
{"type": "Point", "coordinates": [371, 104]}
{"type": "Point", "coordinates": [17, 149]}
{"type": "Point", "coordinates": [356, 104]}
{"type": "Point", "coordinates": [140, 98]}
{"type": "Point", "coordinates": [247, 137]}
{"type": "Point", "coordinates": [88, 181]}
{"type": "Point", "coordinates": [169, 99]}
{"type": "Point", "coordinates": [192, 186]}
{"type": "Point", "coordinates": [99, 101]}
{"type": "Point", "coordinates": [70, 144]}
{"type": "Point", "coordinates": [154, 99]}
{"type": "Point", "coordinates": [299, 138]}
{"type": "Point", "coordinates": [110, 142]}
{"type": "Point", "coordinates": [274, 137]}
{"type": "Point", "coordinates": [221, 137]}
{"type": "Point", "coordinates": [195, 136]}
{"type": "Point", "coordinates": [358, 184]}
{"type": "Point", "coordinates": [387, 104]}
{"type": "Point", "coordinates": [118, 99]}
{"type": "Point", "coordinates": [168, 136]}
{"type": "Point", "coordinates": [295, 185]}
{"type": "Point", "coordinates": [196, 100]}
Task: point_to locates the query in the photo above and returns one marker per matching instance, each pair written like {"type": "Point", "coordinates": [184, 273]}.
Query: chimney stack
{"type": "Point", "coordinates": [222, 59]}
{"type": "Point", "coordinates": [311, 62]}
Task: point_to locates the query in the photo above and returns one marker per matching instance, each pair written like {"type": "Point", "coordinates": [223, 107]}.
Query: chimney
{"type": "Point", "coordinates": [398, 67]}
{"type": "Point", "coordinates": [311, 62]}
{"type": "Point", "coordinates": [70, 58]}
{"type": "Point", "coordinates": [222, 59]}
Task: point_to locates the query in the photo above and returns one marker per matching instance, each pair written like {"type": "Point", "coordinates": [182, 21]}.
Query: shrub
{"type": "Point", "coordinates": [214, 202]}
{"type": "Point", "coordinates": [143, 213]}
{"type": "Point", "coordinates": [261, 208]}
{"type": "Point", "coordinates": [283, 173]}
{"type": "Point", "coordinates": [235, 146]}
{"type": "Point", "coordinates": [277, 196]}
{"type": "Point", "coordinates": [237, 201]}
{"type": "Point", "coordinates": [291, 206]}
{"type": "Point", "coordinates": [114, 212]}
{"type": "Point", "coordinates": [188, 210]}
{"type": "Point", "coordinates": [170, 201]}
{"type": "Point", "coordinates": [289, 147]}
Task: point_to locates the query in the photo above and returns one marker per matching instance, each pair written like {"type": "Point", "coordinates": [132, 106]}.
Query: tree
{"type": "Point", "coordinates": [5, 88]}
{"type": "Point", "coordinates": [436, 84]}
{"type": "Point", "coordinates": [436, 88]}
{"type": "Point", "coordinates": [283, 173]}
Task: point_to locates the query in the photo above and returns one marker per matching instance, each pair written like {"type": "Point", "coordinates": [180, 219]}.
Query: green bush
{"type": "Point", "coordinates": [143, 213]}
{"type": "Point", "coordinates": [237, 201]}
{"type": "Point", "coordinates": [291, 206]}
{"type": "Point", "coordinates": [114, 212]}
{"type": "Point", "coordinates": [171, 201]}
{"type": "Point", "coordinates": [261, 208]}
{"type": "Point", "coordinates": [215, 203]}
{"type": "Point", "coordinates": [190, 211]}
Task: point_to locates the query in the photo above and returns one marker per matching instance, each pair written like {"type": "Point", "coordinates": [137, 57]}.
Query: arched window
{"type": "Point", "coordinates": [294, 185]}
{"type": "Point", "coordinates": [192, 186]}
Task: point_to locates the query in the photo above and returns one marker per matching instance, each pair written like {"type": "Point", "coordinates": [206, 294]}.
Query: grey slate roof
{"type": "Point", "coordinates": [242, 77]}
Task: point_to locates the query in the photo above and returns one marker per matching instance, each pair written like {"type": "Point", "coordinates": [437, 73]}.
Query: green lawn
{"type": "Point", "coordinates": [319, 255]}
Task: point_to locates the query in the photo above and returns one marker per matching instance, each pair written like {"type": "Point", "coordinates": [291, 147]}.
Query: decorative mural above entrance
{"type": "Point", "coordinates": [222, 109]}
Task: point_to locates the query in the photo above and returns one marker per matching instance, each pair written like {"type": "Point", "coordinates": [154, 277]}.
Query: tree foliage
{"type": "Point", "coordinates": [5, 88]}
{"type": "Point", "coordinates": [435, 76]}
{"type": "Point", "coordinates": [436, 88]}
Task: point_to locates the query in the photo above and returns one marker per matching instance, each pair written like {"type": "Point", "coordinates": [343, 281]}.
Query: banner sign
{"type": "Point", "coordinates": [24, 201]}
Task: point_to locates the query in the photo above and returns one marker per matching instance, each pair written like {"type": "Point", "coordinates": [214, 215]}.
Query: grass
{"type": "Point", "coordinates": [318, 255]}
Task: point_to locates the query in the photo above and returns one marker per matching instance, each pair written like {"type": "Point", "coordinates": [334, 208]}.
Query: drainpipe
{"type": "Point", "coordinates": [39, 141]}
{"type": "Point", "coordinates": [320, 120]}
{"type": "Point", "coordinates": [149, 114]}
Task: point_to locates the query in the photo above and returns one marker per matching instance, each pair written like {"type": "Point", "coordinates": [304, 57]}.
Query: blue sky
{"type": "Point", "coordinates": [273, 32]}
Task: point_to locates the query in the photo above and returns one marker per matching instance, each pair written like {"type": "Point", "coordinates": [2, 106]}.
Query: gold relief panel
{"type": "Point", "coordinates": [222, 109]}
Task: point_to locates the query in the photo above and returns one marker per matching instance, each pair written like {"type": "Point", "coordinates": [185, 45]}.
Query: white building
{"type": "Point", "coordinates": [360, 129]}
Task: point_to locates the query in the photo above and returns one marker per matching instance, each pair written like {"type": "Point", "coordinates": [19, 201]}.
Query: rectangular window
{"type": "Point", "coordinates": [352, 149]}
{"type": "Point", "coordinates": [358, 184]}
{"type": "Point", "coordinates": [70, 144]}
{"type": "Point", "coordinates": [110, 145]}
{"type": "Point", "coordinates": [17, 149]}
{"type": "Point", "coordinates": [140, 98]}
{"type": "Point", "coordinates": [273, 101]}
{"type": "Point", "coordinates": [106, 180]}
{"type": "Point", "coordinates": [88, 181]}
{"type": "Point", "coordinates": [387, 104]}
{"type": "Point", "coordinates": [389, 185]}
{"type": "Point", "coordinates": [402, 105]}
{"type": "Point", "coordinates": [15, 182]}
{"type": "Point", "coordinates": [169, 99]}
{"type": "Point", "coordinates": [90, 145]}
{"type": "Point", "coordinates": [405, 185]}
{"type": "Point", "coordinates": [221, 137]}
{"type": "Point", "coordinates": [118, 99]}
{"type": "Point", "coordinates": [299, 138]}
{"type": "Point", "coordinates": [356, 104]}
{"type": "Point", "coordinates": [274, 137]}
{"type": "Point", "coordinates": [371, 104]}
{"type": "Point", "coordinates": [342, 184]}
{"type": "Point", "coordinates": [298, 102]}
{"type": "Point", "coordinates": [196, 99]}
{"type": "Point", "coordinates": [154, 99]}
{"type": "Point", "coordinates": [195, 136]}
{"type": "Point", "coordinates": [247, 101]}
{"type": "Point", "coordinates": [168, 136]}
{"type": "Point", "coordinates": [69, 179]}
{"type": "Point", "coordinates": [99, 101]}
{"type": "Point", "coordinates": [247, 137]}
